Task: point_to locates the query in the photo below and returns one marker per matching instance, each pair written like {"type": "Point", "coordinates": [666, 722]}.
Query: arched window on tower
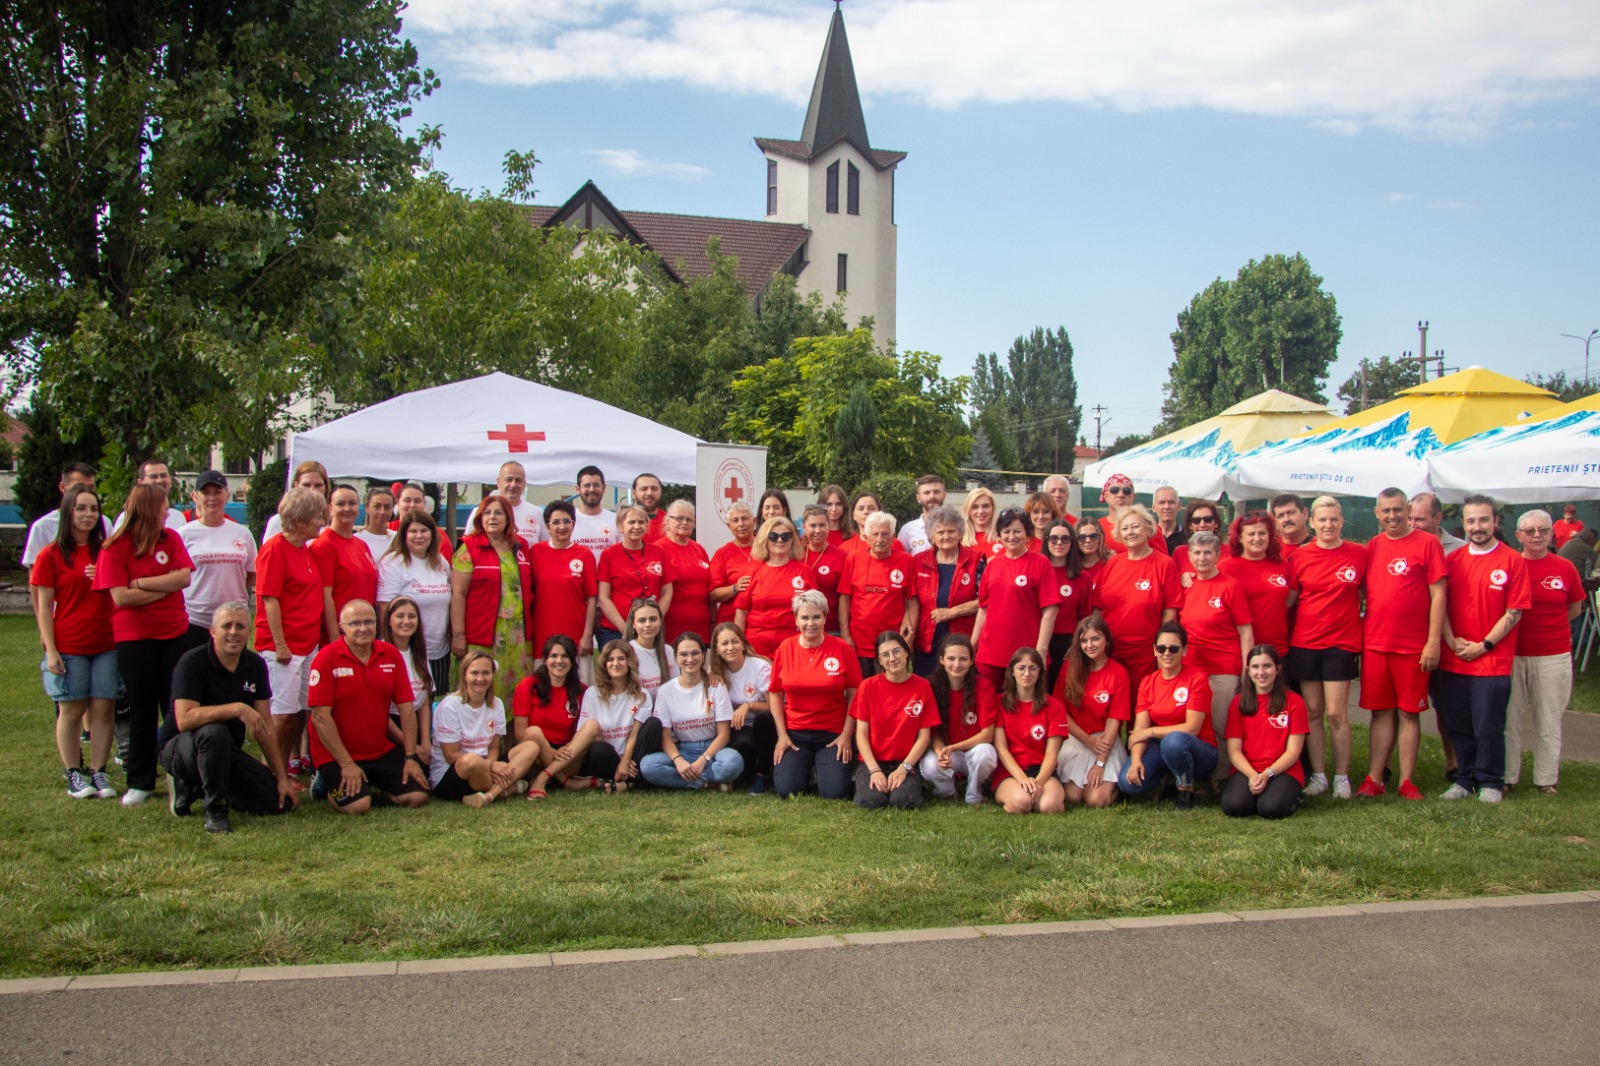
{"type": "Point", "coordinates": [853, 189]}
{"type": "Point", "coordinates": [833, 188]}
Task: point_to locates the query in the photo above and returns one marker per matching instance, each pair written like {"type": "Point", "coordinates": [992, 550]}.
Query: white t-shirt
{"type": "Point", "coordinates": [692, 714]}
{"type": "Point", "coordinates": [429, 586]}
{"type": "Point", "coordinates": [419, 686]}
{"type": "Point", "coordinates": [529, 522]}
{"type": "Point", "coordinates": [597, 532]}
{"type": "Point", "coordinates": [377, 543]}
{"type": "Point", "coordinates": [175, 519]}
{"type": "Point", "coordinates": [614, 715]}
{"type": "Point", "coordinates": [223, 558]}
{"type": "Point", "coordinates": [455, 721]}
{"type": "Point", "coordinates": [650, 666]}
{"type": "Point", "coordinates": [45, 531]}
{"type": "Point", "coordinates": [750, 682]}
{"type": "Point", "coordinates": [914, 536]}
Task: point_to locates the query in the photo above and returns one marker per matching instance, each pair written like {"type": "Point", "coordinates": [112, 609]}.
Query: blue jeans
{"type": "Point", "coordinates": [1183, 755]}
{"type": "Point", "coordinates": [793, 774]}
{"type": "Point", "coordinates": [723, 767]}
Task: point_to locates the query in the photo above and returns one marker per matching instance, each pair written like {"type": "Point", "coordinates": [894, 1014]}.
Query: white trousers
{"type": "Point", "coordinates": [977, 762]}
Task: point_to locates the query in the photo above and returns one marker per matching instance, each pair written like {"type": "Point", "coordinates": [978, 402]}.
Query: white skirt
{"type": "Point", "coordinates": [1076, 760]}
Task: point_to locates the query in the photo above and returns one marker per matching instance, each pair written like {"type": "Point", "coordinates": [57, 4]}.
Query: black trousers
{"type": "Point", "coordinates": [602, 760]}
{"type": "Point", "coordinates": [755, 741]}
{"type": "Point", "coordinates": [227, 777]}
{"type": "Point", "coordinates": [146, 667]}
{"type": "Point", "coordinates": [1279, 799]}
{"type": "Point", "coordinates": [908, 797]}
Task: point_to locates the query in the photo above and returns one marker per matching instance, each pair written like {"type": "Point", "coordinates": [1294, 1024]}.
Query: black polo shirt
{"type": "Point", "coordinates": [200, 676]}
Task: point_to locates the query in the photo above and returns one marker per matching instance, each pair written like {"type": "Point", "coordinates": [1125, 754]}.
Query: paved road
{"type": "Point", "coordinates": [1502, 985]}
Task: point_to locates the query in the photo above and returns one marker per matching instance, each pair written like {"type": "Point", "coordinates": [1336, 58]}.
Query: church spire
{"type": "Point", "coordinates": [835, 110]}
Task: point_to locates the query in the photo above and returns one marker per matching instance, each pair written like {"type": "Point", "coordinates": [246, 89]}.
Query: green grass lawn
{"type": "Point", "coordinates": [86, 886]}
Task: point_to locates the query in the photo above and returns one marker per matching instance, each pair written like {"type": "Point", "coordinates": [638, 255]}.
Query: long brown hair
{"type": "Point", "coordinates": [602, 678]}
{"type": "Point", "coordinates": [66, 540]}
{"type": "Point", "coordinates": [146, 519]}
{"type": "Point", "coordinates": [940, 681]}
{"type": "Point", "coordinates": [1076, 674]}
{"type": "Point", "coordinates": [1249, 703]}
{"type": "Point", "coordinates": [1012, 695]}
{"type": "Point", "coordinates": [417, 645]}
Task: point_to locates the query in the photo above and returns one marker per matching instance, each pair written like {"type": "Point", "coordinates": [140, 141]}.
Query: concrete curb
{"type": "Point", "coordinates": [541, 960]}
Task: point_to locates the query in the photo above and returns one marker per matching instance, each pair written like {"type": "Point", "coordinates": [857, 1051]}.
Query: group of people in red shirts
{"type": "Point", "coordinates": [1020, 654]}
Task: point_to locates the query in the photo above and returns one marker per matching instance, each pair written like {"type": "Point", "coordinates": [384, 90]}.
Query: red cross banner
{"type": "Point", "coordinates": [725, 474]}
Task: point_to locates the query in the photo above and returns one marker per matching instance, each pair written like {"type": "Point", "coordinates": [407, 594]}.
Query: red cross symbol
{"type": "Point", "coordinates": [516, 436]}
{"type": "Point", "coordinates": [733, 492]}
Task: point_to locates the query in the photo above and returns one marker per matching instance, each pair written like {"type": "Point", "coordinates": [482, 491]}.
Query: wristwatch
{"type": "Point", "coordinates": [1488, 645]}
{"type": "Point", "coordinates": [1100, 763]}
{"type": "Point", "coordinates": [907, 767]}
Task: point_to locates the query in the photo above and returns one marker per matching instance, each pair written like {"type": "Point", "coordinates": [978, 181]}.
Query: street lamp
{"type": "Point", "coordinates": [1593, 333]}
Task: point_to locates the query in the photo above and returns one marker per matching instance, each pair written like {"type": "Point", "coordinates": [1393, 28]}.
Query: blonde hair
{"type": "Point", "coordinates": [1139, 511]}
{"type": "Point", "coordinates": [969, 536]}
{"type": "Point", "coordinates": [1326, 501]}
{"type": "Point", "coordinates": [762, 550]}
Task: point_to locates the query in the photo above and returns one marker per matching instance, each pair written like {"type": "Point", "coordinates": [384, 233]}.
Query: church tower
{"type": "Point", "coordinates": [835, 183]}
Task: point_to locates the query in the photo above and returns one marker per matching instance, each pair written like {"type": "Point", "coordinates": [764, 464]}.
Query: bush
{"type": "Point", "coordinates": [266, 489]}
{"type": "Point", "coordinates": [897, 493]}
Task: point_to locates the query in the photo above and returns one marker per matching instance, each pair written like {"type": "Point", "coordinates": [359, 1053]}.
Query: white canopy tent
{"type": "Point", "coordinates": [1553, 460]}
{"type": "Point", "coordinates": [1348, 461]}
{"type": "Point", "coordinates": [464, 431]}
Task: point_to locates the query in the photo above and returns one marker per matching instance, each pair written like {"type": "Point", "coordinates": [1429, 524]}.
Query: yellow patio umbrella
{"type": "Point", "coordinates": [1266, 416]}
{"type": "Point", "coordinates": [1458, 405]}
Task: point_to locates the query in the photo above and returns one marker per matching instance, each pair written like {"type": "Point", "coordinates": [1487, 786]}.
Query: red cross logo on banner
{"type": "Point", "coordinates": [733, 492]}
{"type": "Point", "coordinates": [516, 436]}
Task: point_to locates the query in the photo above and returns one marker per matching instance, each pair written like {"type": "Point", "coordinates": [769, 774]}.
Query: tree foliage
{"type": "Point", "coordinates": [1126, 443]}
{"type": "Point", "coordinates": [854, 431]}
{"type": "Point", "coordinates": [42, 454]}
{"type": "Point", "coordinates": [981, 463]}
{"type": "Point", "coordinates": [791, 405]}
{"type": "Point", "coordinates": [1030, 405]}
{"type": "Point", "coordinates": [1273, 326]}
{"type": "Point", "coordinates": [1566, 389]}
{"type": "Point", "coordinates": [181, 184]}
{"type": "Point", "coordinates": [1385, 379]}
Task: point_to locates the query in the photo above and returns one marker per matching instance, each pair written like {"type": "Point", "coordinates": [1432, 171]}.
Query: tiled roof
{"type": "Point", "coordinates": [882, 158]}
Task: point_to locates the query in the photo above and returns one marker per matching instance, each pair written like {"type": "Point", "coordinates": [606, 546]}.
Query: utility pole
{"type": "Point", "coordinates": [1100, 421]}
{"type": "Point", "coordinates": [1058, 448]}
{"type": "Point", "coordinates": [1422, 349]}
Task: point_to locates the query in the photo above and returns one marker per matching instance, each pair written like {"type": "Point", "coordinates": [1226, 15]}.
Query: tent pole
{"type": "Point", "coordinates": [451, 496]}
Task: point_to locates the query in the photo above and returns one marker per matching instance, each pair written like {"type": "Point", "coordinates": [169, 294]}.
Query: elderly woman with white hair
{"type": "Point", "coordinates": [947, 586]}
{"type": "Point", "coordinates": [814, 678]}
{"type": "Point", "coordinates": [731, 564]}
{"type": "Point", "coordinates": [877, 592]}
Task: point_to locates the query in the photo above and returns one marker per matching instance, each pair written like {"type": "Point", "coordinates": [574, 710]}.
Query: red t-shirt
{"type": "Point", "coordinates": [813, 682]}
{"type": "Point", "coordinates": [691, 589]}
{"type": "Point", "coordinates": [118, 567]}
{"type": "Point", "coordinates": [1399, 574]}
{"type": "Point", "coordinates": [1107, 694]}
{"type": "Point", "coordinates": [827, 567]}
{"type": "Point", "coordinates": [879, 590]}
{"type": "Point", "coordinates": [555, 719]}
{"type": "Point", "coordinates": [1266, 735]}
{"type": "Point", "coordinates": [1027, 733]}
{"type": "Point", "coordinates": [1013, 595]}
{"type": "Point", "coordinates": [1109, 538]}
{"type": "Point", "coordinates": [728, 564]}
{"type": "Point", "coordinates": [1563, 531]}
{"type": "Point", "coordinates": [1131, 595]}
{"type": "Point", "coordinates": [563, 581]}
{"type": "Point", "coordinates": [656, 529]}
{"type": "Point", "coordinates": [634, 574]}
{"type": "Point", "coordinates": [82, 613]}
{"type": "Point", "coordinates": [895, 712]}
{"type": "Point", "coordinates": [360, 694]}
{"type": "Point", "coordinates": [770, 603]}
{"type": "Point", "coordinates": [1555, 586]}
{"type": "Point", "coordinates": [1482, 589]}
{"type": "Point", "coordinates": [1168, 702]}
{"type": "Point", "coordinates": [1266, 590]}
{"type": "Point", "coordinates": [1075, 598]}
{"type": "Point", "coordinates": [346, 566]}
{"type": "Point", "coordinates": [1212, 613]}
{"type": "Point", "coordinates": [289, 574]}
{"type": "Point", "coordinates": [1328, 613]}
{"type": "Point", "coordinates": [972, 710]}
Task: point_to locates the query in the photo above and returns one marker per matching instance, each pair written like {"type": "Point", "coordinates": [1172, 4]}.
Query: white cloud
{"type": "Point", "coordinates": [629, 163]}
{"type": "Point", "coordinates": [1397, 198]}
{"type": "Point", "coordinates": [1449, 68]}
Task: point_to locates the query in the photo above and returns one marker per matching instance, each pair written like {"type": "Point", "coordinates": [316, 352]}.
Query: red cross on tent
{"type": "Point", "coordinates": [516, 436]}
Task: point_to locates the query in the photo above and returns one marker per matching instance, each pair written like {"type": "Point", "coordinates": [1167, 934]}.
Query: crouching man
{"type": "Point", "coordinates": [220, 695]}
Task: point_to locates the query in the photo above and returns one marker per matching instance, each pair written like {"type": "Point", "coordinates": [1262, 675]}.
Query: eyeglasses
{"type": "Point", "coordinates": [1121, 490]}
{"type": "Point", "coordinates": [1168, 649]}
{"type": "Point", "coordinates": [1053, 539]}
{"type": "Point", "coordinates": [778, 536]}
{"type": "Point", "coordinates": [1540, 530]}
{"type": "Point", "coordinates": [360, 623]}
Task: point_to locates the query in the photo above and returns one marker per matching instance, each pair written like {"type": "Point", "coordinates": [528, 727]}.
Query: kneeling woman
{"type": "Point", "coordinates": [616, 726]}
{"type": "Point", "coordinates": [964, 745]}
{"type": "Point", "coordinates": [696, 719]}
{"type": "Point", "coordinates": [1172, 731]}
{"type": "Point", "coordinates": [1267, 728]}
{"type": "Point", "coordinates": [1095, 691]}
{"type": "Point", "coordinates": [468, 728]}
{"type": "Point", "coordinates": [1028, 732]}
{"type": "Point", "coordinates": [894, 713]}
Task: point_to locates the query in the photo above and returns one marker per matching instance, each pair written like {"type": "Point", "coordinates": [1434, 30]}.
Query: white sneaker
{"type": "Point", "coordinates": [1317, 785]}
{"type": "Point", "coordinates": [1456, 792]}
{"type": "Point", "coordinates": [1341, 787]}
{"type": "Point", "coordinates": [135, 796]}
{"type": "Point", "coordinates": [1490, 795]}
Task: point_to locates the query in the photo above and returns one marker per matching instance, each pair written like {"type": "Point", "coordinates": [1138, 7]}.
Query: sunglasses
{"type": "Point", "coordinates": [779, 536]}
{"type": "Point", "coordinates": [1088, 536]}
{"type": "Point", "coordinates": [1121, 490]}
{"type": "Point", "coordinates": [1197, 519]}
{"type": "Point", "coordinates": [1059, 540]}
{"type": "Point", "coordinates": [1168, 649]}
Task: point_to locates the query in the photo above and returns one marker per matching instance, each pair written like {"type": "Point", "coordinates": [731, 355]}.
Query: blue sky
{"type": "Point", "coordinates": [1094, 166]}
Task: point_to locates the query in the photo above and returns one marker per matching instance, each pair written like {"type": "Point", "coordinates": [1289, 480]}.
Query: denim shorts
{"type": "Point", "coordinates": [87, 677]}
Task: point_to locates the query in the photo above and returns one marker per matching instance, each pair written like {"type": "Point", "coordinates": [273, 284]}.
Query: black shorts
{"type": "Point", "coordinates": [385, 774]}
{"type": "Point", "coordinates": [451, 786]}
{"type": "Point", "coordinates": [1323, 664]}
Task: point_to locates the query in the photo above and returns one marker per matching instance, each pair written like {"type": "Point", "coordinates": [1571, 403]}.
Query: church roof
{"type": "Point", "coordinates": [834, 113]}
{"type": "Point", "coordinates": [762, 248]}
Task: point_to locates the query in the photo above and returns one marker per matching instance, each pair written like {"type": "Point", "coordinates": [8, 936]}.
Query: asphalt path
{"type": "Point", "coordinates": [1452, 982]}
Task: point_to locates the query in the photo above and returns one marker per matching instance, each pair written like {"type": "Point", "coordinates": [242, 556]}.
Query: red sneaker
{"type": "Point", "coordinates": [1370, 788]}
{"type": "Point", "coordinates": [1409, 791]}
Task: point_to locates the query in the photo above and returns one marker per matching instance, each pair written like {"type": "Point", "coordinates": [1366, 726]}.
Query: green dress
{"type": "Point", "coordinates": [513, 655]}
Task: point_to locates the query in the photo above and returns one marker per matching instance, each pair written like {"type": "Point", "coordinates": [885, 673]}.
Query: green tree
{"type": "Point", "coordinates": [1030, 405]}
{"type": "Point", "coordinates": [791, 405]}
{"type": "Point", "coordinates": [1126, 443]}
{"type": "Point", "coordinates": [981, 463]}
{"type": "Point", "coordinates": [1566, 389]}
{"type": "Point", "coordinates": [1385, 379]}
{"type": "Point", "coordinates": [1273, 326]}
{"type": "Point", "coordinates": [854, 431]}
{"type": "Point", "coordinates": [44, 451]}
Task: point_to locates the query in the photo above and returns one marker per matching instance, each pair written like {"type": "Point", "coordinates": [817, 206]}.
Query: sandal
{"type": "Point", "coordinates": [1548, 790]}
{"type": "Point", "coordinates": [538, 794]}
{"type": "Point", "coordinates": [613, 788]}
{"type": "Point", "coordinates": [578, 784]}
